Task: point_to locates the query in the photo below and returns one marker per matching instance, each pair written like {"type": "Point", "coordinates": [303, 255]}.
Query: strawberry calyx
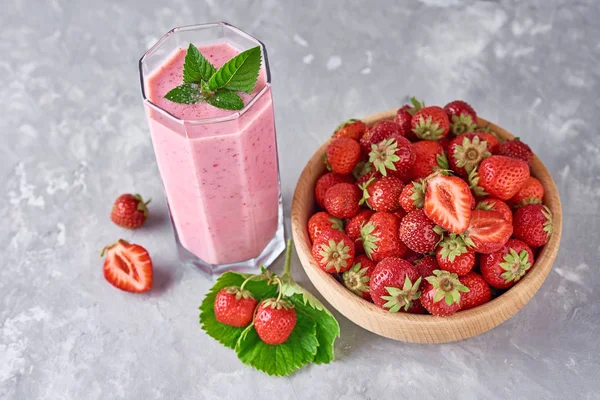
{"type": "Point", "coordinates": [447, 286]}
{"type": "Point", "coordinates": [402, 298]}
{"type": "Point", "coordinates": [416, 106]}
{"type": "Point", "coordinates": [369, 240]}
{"type": "Point", "coordinates": [121, 242]}
{"type": "Point", "coordinates": [239, 293]}
{"type": "Point", "coordinates": [383, 155]}
{"type": "Point", "coordinates": [277, 303]}
{"type": "Point", "coordinates": [527, 201]}
{"type": "Point", "coordinates": [426, 129]}
{"type": "Point", "coordinates": [442, 164]}
{"type": "Point", "coordinates": [473, 178]}
{"type": "Point", "coordinates": [471, 152]}
{"type": "Point", "coordinates": [334, 255]}
{"type": "Point", "coordinates": [515, 264]}
{"type": "Point", "coordinates": [142, 206]}
{"type": "Point", "coordinates": [365, 189]}
{"type": "Point", "coordinates": [452, 247]}
{"type": "Point", "coordinates": [548, 228]}
{"type": "Point", "coordinates": [461, 124]}
{"type": "Point", "coordinates": [337, 223]}
{"type": "Point", "coordinates": [361, 169]}
{"type": "Point", "coordinates": [356, 279]}
{"type": "Point", "coordinates": [418, 193]}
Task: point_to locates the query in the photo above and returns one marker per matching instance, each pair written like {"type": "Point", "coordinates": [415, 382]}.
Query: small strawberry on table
{"type": "Point", "coordinates": [129, 211]}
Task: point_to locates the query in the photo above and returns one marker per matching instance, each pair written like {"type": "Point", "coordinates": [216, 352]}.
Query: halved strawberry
{"type": "Point", "coordinates": [448, 202]}
{"type": "Point", "coordinates": [128, 267]}
{"type": "Point", "coordinates": [488, 231]}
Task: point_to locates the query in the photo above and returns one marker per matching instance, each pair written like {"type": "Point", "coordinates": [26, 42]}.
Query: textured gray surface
{"type": "Point", "coordinates": [74, 136]}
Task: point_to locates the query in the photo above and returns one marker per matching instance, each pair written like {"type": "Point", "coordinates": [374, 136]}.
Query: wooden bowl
{"type": "Point", "coordinates": [414, 327]}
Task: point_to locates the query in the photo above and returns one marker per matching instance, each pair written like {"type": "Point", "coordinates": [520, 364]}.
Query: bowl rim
{"type": "Point", "coordinates": [418, 327]}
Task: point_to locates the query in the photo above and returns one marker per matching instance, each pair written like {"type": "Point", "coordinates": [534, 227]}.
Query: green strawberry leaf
{"type": "Point", "coordinates": [188, 93]}
{"type": "Point", "coordinates": [283, 359]}
{"type": "Point", "coordinates": [196, 68]}
{"type": "Point", "coordinates": [238, 74]}
{"type": "Point", "coordinates": [225, 334]}
{"type": "Point", "coordinates": [226, 100]}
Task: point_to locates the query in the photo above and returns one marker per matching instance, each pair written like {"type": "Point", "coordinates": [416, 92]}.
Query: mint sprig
{"type": "Point", "coordinates": [203, 82]}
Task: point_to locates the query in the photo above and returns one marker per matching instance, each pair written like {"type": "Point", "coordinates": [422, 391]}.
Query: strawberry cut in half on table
{"type": "Point", "coordinates": [488, 231]}
{"type": "Point", "coordinates": [479, 291]}
{"type": "Point", "coordinates": [382, 194]}
{"type": "Point", "coordinates": [448, 201]}
{"type": "Point", "coordinates": [357, 278]}
{"type": "Point", "coordinates": [351, 129]}
{"type": "Point", "coordinates": [234, 306]}
{"type": "Point", "coordinates": [275, 321]}
{"type": "Point", "coordinates": [128, 267]}
{"type": "Point", "coordinates": [129, 211]}
{"type": "Point", "coordinates": [333, 251]}
{"type": "Point", "coordinates": [503, 268]}
{"type": "Point", "coordinates": [430, 123]}
{"type": "Point", "coordinates": [441, 294]}
{"type": "Point", "coordinates": [380, 237]}
{"type": "Point", "coordinates": [395, 284]}
{"type": "Point", "coordinates": [533, 224]}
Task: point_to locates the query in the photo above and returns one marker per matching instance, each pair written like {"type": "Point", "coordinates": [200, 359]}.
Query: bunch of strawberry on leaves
{"type": "Point", "coordinates": [272, 323]}
{"type": "Point", "coordinates": [429, 212]}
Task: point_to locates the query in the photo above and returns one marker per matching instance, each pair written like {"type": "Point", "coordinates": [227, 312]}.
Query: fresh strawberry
{"type": "Point", "coordinates": [393, 156]}
{"type": "Point", "coordinates": [394, 284]}
{"type": "Point", "coordinates": [501, 176]}
{"type": "Point", "coordinates": [380, 237]}
{"type": "Point", "coordinates": [413, 196]}
{"type": "Point", "coordinates": [325, 182]}
{"type": "Point", "coordinates": [429, 157]}
{"type": "Point", "coordinates": [382, 194]}
{"type": "Point", "coordinates": [419, 233]}
{"type": "Point", "coordinates": [128, 267]}
{"type": "Point", "coordinates": [353, 227]}
{"type": "Point", "coordinates": [533, 224]}
{"type": "Point", "coordinates": [378, 132]}
{"type": "Point", "coordinates": [462, 117]}
{"type": "Point", "coordinates": [404, 116]}
{"type": "Point", "coordinates": [487, 232]}
{"type": "Point", "coordinates": [367, 177]}
{"type": "Point", "coordinates": [322, 221]}
{"type": "Point", "coordinates": [426, 266]}
{"type": "Point", "coordinates": [452, 255]}
{"type": "Point", "coordinates": [516, 149]}
{"type": "Point", "coordinates": [333, 251]}
{"type": "Point", "coordinates": [493, 143]}
{"type": "Point", "coordinates": [448, 202]}
{"type": "Point", "coordinates": [479, 291]}
{"type": "Point", "coordinates": [430, 123]}
{"type": "Point", "coordinates": [490, 203]}
{"type": "Point", "coordinates": [357, 278]}
{"type": "Point", "coordinates": [503, 268]}
{"type": "Point", "coordinates": [234, 306]}
{"type": "Point", "coordinates": [441, 294]}
{"type": "Point", "coordinates": [351, 129]}
{"type": "Point", "coordinates": [129, 211]}
{"type": "Point", "coordinates": [274, 321]}
{"type": "Point", "coordinates": [466, 152]}
{"type": "Point", "coordinates": [343, 155]}
{"type": "Point", "coordinates": [532, 192]}
{"type": "Point", "coordinates": [342, 200]}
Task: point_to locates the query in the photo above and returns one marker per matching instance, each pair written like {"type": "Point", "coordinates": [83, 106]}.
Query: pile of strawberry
{"type": "Point", "coordinates": [429, 212]}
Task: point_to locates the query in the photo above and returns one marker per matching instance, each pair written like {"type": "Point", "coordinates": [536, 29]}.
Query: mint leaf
{"type": "Point", "coordinates": [225, 334]}
{"type": "Point", "coordinates": [196, 68]}
{"type": "Point", "coordinates": [283, 359]}
{"type": "Point", "coordinates": [226, 100]}
{"type": "Point", "coordinates": [188, 93]}
{"type": "Point", "coordinates": [238, 74]}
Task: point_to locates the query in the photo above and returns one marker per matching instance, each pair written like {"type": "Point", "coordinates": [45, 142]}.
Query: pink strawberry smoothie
{"type": "Point", "coordinates": [221, 177]}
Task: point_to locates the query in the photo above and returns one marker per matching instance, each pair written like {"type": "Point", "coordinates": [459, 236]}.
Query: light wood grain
{"type": "Point", "coordinates": [413, 327]}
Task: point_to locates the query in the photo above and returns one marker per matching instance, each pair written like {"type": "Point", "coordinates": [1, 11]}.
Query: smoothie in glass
{"type": "Point", "coordinates": [219, 167]}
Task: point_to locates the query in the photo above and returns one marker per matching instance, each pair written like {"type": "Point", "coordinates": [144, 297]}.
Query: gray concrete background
{"type": "Point", "coordinates": [74, 136]}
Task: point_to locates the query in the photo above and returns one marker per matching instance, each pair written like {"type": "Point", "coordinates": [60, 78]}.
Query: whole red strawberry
{"type": "Point", "coordinates": [426, 266]}
{"type": "Point", "coordinates": [128, 267]}
{"type": "Point", "coordinates": [492, 204]}
{"type": "Point", "coordinates": [466, 151]}
{"type": "Point", "coordinates": [493, 143]}
{"type": "Point", "coordinates": [382, 194]}
{"type": "Point", "coordinates": [453, 255]}
{"type": "Point", "coordinates": [325, 182]}
{"type": "Point", "coordinates": [234, 306]}
{"type": "Point", "coordinates": [430, 123]}
{"type": "Point", "coordinates": [342, 200]}
{"type": "Point", "coordinates": [441, 294]}
{"type": "Point", "coordinates": [394, 284]}
{"type": "Point", "coordinates": [502, 177]}
{"type": "Point", "coordinates": [503, 268]}
{"type": "Point", "coordinates": [488, 231]}
{"type": "Point", "coordinates": [532, 192]}
{"type": "Point", "coordinates": [429, 157]}
{"type": "Point", "coordinates": [532, 224]}
{"type": "Point", "coordinates": [354, 226]}
{"type": "Point", "coordinates": [379, 131]}
{"type": "Point", "coordinates": [343, 155]}
{"type": "Point", "coordinates": [412, 196]}
{"type": "Point", "coordinates": [419, 233]}
{"type": "Point", "coordinates": [333, 251]}
{"type": "Point", "coordinates": [479, 291]}
{"type": "Point", "coordinates": [274, 321]}
{"type": "Point", "coordinates": [351, 129]}
{"type": "Point", "coordinates": [393, 156]}
{"type": "Point", "coordinates": [448, 202]}
{"type": "Point", "coordinates": [516, 149]}
{"type": "Point", "coordinates": [129, 211]}
{"type": "Point", "coordinates": [322, 221]}
{"type": "Point", "coordinates": [357, 278]}
{"type": "Point", "coordinates": [462, 117]}
{"type": "Point", "coordinates": [380, 237]}
{"type": "Point", "coordinates": [404, 116]}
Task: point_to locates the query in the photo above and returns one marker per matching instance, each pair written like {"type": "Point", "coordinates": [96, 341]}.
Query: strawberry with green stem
{"type": "Point", "coordinates": [419, 233]}
{"type": "Point", "coordinates": [235, 306]}
{"type": "Point", "coordinates": [322, 221]}
{"type": "Point", "coordinates": [394, 284]}
{"type": "Point", "coordinates": [333, 251]}
{"type": "Point", "coordinates": [429, 157]}
{"type": "Point", "coordinates": [404, 116]}
{"type": "Point", "coordinates": [351, 129]}
{"type": "Point", "coordinates": [441, 294]}
{"type": "Point", "coordinates": [462, 116]}
{"type": "Point", "coordinates": [354, 226]}
{"type": "Point", "coordinates": [504, 268]}
{"type": "Point", "coordinates": [379, 131]}
{"type": "Point", "coordinates": [479, 291]}
{"type": "Point", "coordinates": [275, 318]}
{"type": "Point", "coordinates": [380, 237]}
{"type": "Point", "coordinates": [342, 155]}
{"type": "Point", "coordinates": [532, 224]}
{"type": "Point", "coordinates": [129, 211]}
{"type": "Point", "coordinates": [532, 192]}
{"type": "Point", "coordinates": [325, 182]}
{"type": "Point", "coordinates": [357, 278]}
{"type": "Point", "coordinates": [500, 176]}
{"type": "Point", "coordinates": [430, 123]}
{"type": "Point", "coordinates": [393, 156]}
{"type": "Point", "coordinates": [382, 194]}
{"type": "Point", "coordinates": [453, 255]}
{"type": "Point", "coordinates": [412, 196]}
{"type": "Point", "coordinates": [466, 152]}
{"type": "Point", "coordinates": [492, 204]}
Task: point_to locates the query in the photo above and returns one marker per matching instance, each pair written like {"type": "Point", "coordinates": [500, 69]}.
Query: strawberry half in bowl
{"type": "Point", "coordinates": [385, 315]}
